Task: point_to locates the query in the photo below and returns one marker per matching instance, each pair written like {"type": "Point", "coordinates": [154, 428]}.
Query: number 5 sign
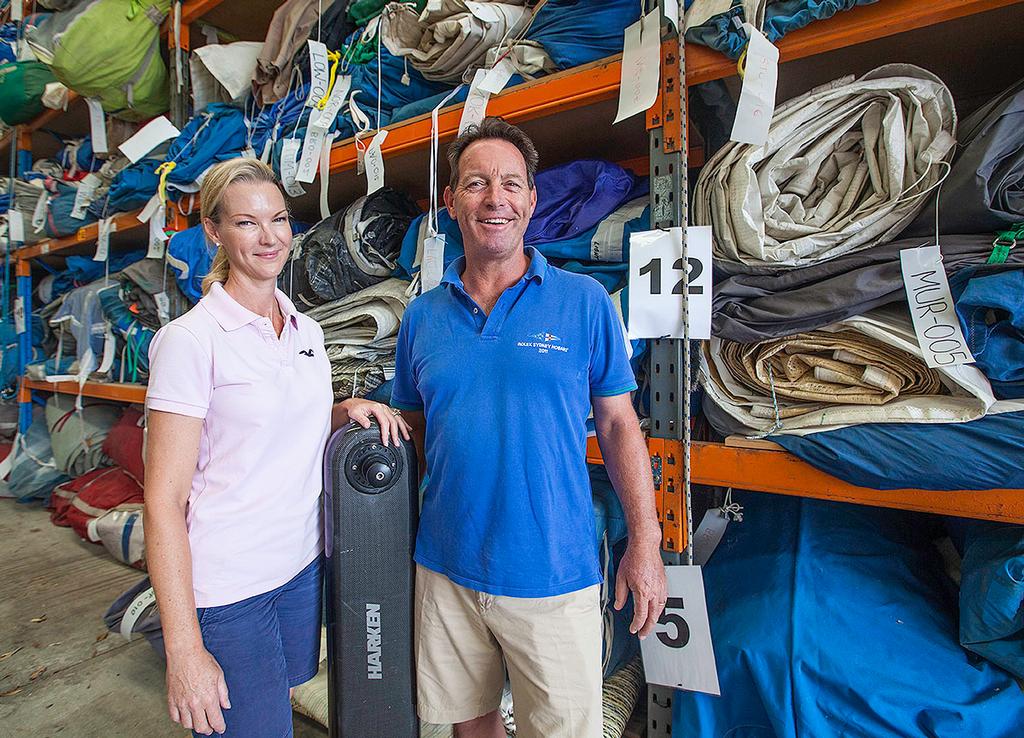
{"type": "Point", "coordinates": [656, 283]}
{"type": "Point", "coordinates": [679, 653]}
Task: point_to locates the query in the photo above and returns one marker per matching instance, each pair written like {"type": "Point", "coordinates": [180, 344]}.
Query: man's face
{"type": "Point", "coordinates": [492, 200]}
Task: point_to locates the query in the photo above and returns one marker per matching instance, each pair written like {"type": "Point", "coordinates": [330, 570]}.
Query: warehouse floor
{"type": "Point", "coordinates": [60, 673]}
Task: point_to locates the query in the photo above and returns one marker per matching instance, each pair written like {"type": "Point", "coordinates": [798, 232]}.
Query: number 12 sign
{"type": "Point", "coordinates": [656, 283]}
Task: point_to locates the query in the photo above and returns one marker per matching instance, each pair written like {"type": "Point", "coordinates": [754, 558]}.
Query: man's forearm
{"type": "Point", "coordinates": [629, 467]}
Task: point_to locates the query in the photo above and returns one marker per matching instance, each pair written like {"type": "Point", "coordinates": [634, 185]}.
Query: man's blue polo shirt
{"type": "Point", "coordinates": [507, 509]}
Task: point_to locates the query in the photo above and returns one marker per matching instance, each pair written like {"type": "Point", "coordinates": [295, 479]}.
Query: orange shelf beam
{"type": "Point", "coordinates": [196, 9]}
{"type": "Point", "coordinates": [559, 92]}
{"type": "Point", "coordinates": [119, 392]}
{"type": "Point", "coordinates": [779, 472]}
{"type": "Point", "coordinates": [124, 222]}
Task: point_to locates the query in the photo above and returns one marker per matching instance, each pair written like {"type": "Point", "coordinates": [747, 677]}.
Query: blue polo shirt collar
{"type": "Point", "coordinates": [537, 269]}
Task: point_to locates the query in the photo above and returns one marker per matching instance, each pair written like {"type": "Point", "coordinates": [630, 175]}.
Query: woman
{"type": "Point", "coordinates": [239, 410]}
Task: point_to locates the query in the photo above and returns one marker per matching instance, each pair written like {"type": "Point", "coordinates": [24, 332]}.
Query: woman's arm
{"type": "Point", "coordinates": [196, 690]}
{"type": "Point", "coordinates": [392, 425]}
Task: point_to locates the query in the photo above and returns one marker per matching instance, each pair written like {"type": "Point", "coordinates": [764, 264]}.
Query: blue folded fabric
{"type": "Point", "coordinates": [992, 593]}
{"type": "Point", "coordinates": [83, 157]}
{"type": "Point", "coordinates": [134, 336]}
{"type": "Point", "coordinates": [189, 257]}
{"type": "Point", "coordinates": [832, 620]}
{"type": "Point", "coordinates": [725, 33]}
{"type": "Point", "coordinates": [576, 32]}
{"type": "Point", "coordinates": [80, 270]}
{"type": "Point", "coordinates": [216, 135]}
{"type": "Point", "coordinates": [575, 197]}
{"type": "Point", "coordinates": [916, 455]}
{"type": "Point", "coordinates": [990, 304]}
{"type": "Point", "coordinates": [59, 222]}
{"type": "Point", "coordinates": [130, 189]}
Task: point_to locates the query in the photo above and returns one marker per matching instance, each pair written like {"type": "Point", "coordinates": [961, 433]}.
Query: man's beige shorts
{"type": "Point", "coordinates": [550, 645]}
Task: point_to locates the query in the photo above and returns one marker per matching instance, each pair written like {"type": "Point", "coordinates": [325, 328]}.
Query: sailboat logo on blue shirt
{"type": "Point", "coordinates": [546, 337]}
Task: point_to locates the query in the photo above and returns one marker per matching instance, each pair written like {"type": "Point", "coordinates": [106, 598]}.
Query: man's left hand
{"type": "Point", "coordinates": [642, 573]}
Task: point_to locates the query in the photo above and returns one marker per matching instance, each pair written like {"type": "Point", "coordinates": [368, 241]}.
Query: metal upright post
{"type": "Point", "coordinates": [670, 358]}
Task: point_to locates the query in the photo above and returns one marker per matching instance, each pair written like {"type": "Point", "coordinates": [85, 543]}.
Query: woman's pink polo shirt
{"type": "Point", "coordinates": [254, 511]}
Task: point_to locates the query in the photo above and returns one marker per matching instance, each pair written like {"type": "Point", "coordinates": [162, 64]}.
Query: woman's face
{"type": "Point", "coordinates": [253, 230]}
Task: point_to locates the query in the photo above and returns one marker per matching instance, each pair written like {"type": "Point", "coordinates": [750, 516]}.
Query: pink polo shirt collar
{"type": "Point", "coordinates": [231, 315]}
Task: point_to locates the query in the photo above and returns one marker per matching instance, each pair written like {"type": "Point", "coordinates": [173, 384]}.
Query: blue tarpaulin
{"type": "Point", "coordinates": [832, 620]}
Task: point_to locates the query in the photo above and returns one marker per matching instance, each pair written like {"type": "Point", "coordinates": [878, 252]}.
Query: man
{"type": "Point", "coordinates": [496, 370]}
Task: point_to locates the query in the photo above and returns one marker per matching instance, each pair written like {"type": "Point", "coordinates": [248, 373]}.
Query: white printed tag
{"type": "Point", "coordinates": [656, 287]}
{"type": "Point", "coordinates": [106, 227]}
{"type": "Point", "coordinates": [671, 10]}
{"type": "Point", "coordinates": [97, 126]}
{"type": "Point", "coordinates": [757, 98]}
{"type": "Point", "coordinates": [15, 226]}
{"type": "Point", "coordinates": [17, 14]}
{"type": "Point", "coordinates": [148, 138]}
{"type": "Point", "coordinates": [709, 534]}
{"type": "Point", "coordinates": [432, 266]}
{"type": "Point", "coordinates": [146, 214]}
{"type": "Point", "coordinates": [156, 234]}
{"type": "Point", "coordinates": [39, 213]}
{"type": "Point", "coordinates": [374, 163]}
{"type": "Point", "coordinates": [248, 153]}
{"type": "Point", "coordinates": [19, 315]}
{"type": "Point", "coordinates": [931, 306]}
{"type": "Point", "coordinates": [325, 175]}
{"type": "Point", "coordinates": [641, 66]}
{"type": "Point", "coordinates": [84, 195]}
{"type": "Point", "coordinates": [163, 307]}
{"type": "Point", "coordinates": [109, 350]}
{"type": "Point", "coordinates": [680, 653]}
{"type": "Point", "coordinates": [498, 76]}
{"type": "Point", "coordinates": [319, 72]}
{"type": "Point", "coordinates": [289, 167]}
{"type": "Point", "coordinates": [475, 109]}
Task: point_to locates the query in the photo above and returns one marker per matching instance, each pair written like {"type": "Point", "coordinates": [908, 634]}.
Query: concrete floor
{"type": "Point", "coordinates": [60, 673]}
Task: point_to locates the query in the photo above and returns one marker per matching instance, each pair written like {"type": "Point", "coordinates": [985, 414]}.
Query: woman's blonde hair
{"type": "Point", "coordinates": [211, 197]}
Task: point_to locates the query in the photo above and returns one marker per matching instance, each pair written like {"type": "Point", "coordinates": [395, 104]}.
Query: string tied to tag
{"type": "Point", "coordinates": [162, 171]}
{"type": "Point", "coordinates": [733, 510]}
{"type": "Point", "coordinates": [335, 58]}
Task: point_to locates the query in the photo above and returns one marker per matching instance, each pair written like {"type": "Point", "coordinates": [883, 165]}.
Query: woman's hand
{"type": "Point", "coordinates": [196, 692]}
{"type": "Point", "coordinates": [392, 424]}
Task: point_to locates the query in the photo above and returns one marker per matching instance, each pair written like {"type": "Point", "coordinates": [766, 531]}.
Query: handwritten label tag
{"type": "Point", "coordinates": [319, 72]}
{"type": "Point", "coordinates": [15, 226]}
{"type": "Point", "coordinates": [84, 195]}
{"type": "Point", "coordinates": [289, 167]}
{"type": "Point", "coordinates": [310, 159]}
{"type": "Point", "coordinates": [374, 163]}
{"type": "Point", "coordinates": [325, 118]}
{"type": "Point", "coordinates": [679, 653]}
{"type": "Point", "coordinates": [641, 66]}
{"type": "Point", "coordinates": [106, 227]}
{"type": "Point", "coordinates": [497, 77]}
{"type": "Point", "coordinates": [475, 109]}
{"type": "Point", "coordinates": [932, 309]}
{"type": "Point", "coordinates": [432, 266]}
{"type": "Point", "coordinates": [148, 138]}
{"type": "Point", "coordinates": [757, 98]}
{"type": "Point", "coordinates": [97, 126]}
{"type": "Point", "coordinates": [656, 287]}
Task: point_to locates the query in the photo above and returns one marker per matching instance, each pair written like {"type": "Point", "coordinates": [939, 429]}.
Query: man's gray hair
{"type": "Point", "coordinates": [493, 128]}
